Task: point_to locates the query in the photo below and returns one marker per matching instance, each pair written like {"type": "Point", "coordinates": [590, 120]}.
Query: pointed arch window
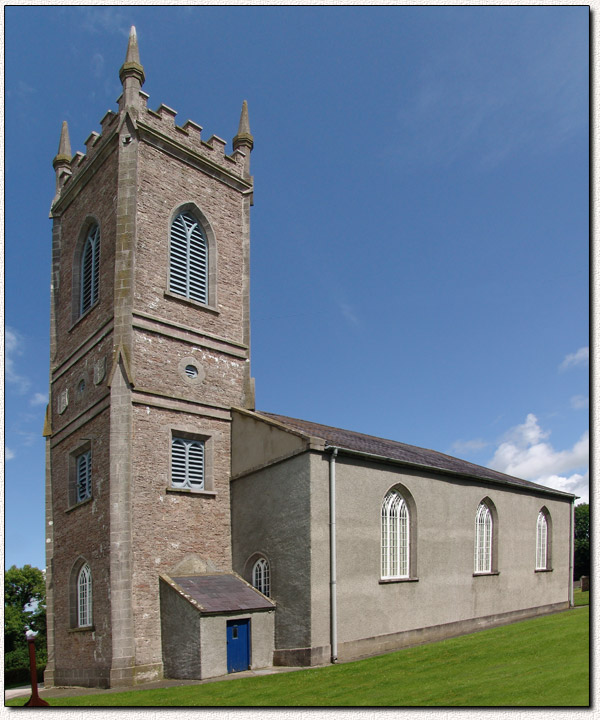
{"type": "Point", "coordinates": [483, 539]}
{"type": "Point", "coordinates": [188, 258]}
{"type": "Point", "coordinates": [84, 596]}
{"type": "Point", "coordinates": [90, 268]}
{"type": "Point", "coordinates": [541, 546]}
{"type": "Point", "coordinates": [261, 576]}
{"type": "Point", "coordinates": [395, 523]}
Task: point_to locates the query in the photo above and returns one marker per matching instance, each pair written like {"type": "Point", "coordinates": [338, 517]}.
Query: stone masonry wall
{"type": "Point", "coordinates": [81, 531]}
{"type": "Point", "coordinates": [84, 380]}
{"type": "Point", "coordinates": [165, 184]}
{"type": "Point", "coordinates": [95, 200]}
{"type": "Point", "coordinates": [160, 363]}
{"type": "Point", "coordinates": [168, 525]}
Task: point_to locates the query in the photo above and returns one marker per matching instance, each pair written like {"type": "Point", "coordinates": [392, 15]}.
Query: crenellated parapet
{"type": "Point", "coordinates": [156, 127]}
{"type": "Point", "coordinates": [189, 135]}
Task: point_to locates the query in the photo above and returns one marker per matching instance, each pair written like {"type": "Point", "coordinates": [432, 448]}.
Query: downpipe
{"type": "Point", "coordinates": [332, 557]}
{"type": "Point", "coordinates": [572, 554]}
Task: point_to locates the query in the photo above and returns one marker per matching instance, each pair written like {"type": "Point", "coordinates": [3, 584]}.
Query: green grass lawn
{"type": "Point", "coordinates": [581, 598]}
{"type": "Point", "coordinates": [544, 661]}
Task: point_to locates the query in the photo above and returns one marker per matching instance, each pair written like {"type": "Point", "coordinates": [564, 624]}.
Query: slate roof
{"type": "Point", "coordinates": [222, 592]}
{"type": "Point", "coordinates": [391, 449]}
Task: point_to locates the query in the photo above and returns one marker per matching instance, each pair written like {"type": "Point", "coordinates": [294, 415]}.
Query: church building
{"type": "Point", "coordinates": [189, 534]}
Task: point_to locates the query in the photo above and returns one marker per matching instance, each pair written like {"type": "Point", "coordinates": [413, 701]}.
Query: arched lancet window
{"type": "Point", "coordinates": [394, 536]}
{"type": "Point", "coordinates": [483, 539]}
{"type": "Point", "coordinates": [90, 267]}
{"type": "Point", "coordinates": [541, 546]}
{"type": "Point", "coordinates": [261, 576]}
{"type": "Point", "coordinates": [188, 258]}
{"type": "Point", "coordinates": [84, 596]}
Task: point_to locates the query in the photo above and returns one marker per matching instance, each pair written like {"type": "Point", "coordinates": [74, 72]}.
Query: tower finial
{"type": "Point", "coordinates": [244, 136]}
{"type": "Point", "coordinates": [132, 66]}
{"type": "Point", "coordinates": [133, 52]}
{"type": "Point", "coordinates": [64, 147]}
{"type": "Point", "coordinates": [62, 160]}
{"type": "Point", "coordinates": [244, 140]}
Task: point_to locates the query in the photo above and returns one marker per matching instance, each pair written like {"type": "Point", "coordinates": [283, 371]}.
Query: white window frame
{"type": "Point", "coordinates": [83, 476]}
{"type": "Point", "coordinates": [84, 596]}
{"type": "Point", "coordinates": [89, 270]}
{"type": "Point", "coordinates": [541, 544]}
{"type": "Point", "coordinates": [188, 258]}
{"type": "Point", "coordinates": [261, 576]}
{"type": "Point", "coordinates": [484, 529]}
{"type": "Point", "coordinates": [188, 463]}
{"type": "Point", "coordinates": [395, 537]}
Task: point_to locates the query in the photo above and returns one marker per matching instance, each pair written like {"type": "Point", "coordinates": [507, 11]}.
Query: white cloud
{"type": "Point", "coordinates": [349, 314]}
{"type": "Point", "coordinates": [105, 19]}
{"type": "Point", "coordinates": [580, 402]}
{"type": "Point", "coordinates": [463, 106]}
{"type": "Point", "coordinates": [29, 438]}
{"type": "Point", "coordinates": [39, 399]}
{"type": "Point", "coordinates": [581, 357]}
{"type": "Point", "coordinates": [467, 446]}
{"type": "Point", "coordinates": [13, 346]}
{"type": "Point", "coordinates": [8, 454]}
{"type": "Point", "coordinates": [576, 484]}
{"type": "Point", "coordinates": [529, 433]}
{"type": "Point", "coordinates": [98, 64]}
{"type": "Point", "coordinates": [525, 453]}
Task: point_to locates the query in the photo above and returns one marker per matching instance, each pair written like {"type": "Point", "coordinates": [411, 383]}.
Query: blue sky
{"type": "Point", "coordinates": [420, 229]}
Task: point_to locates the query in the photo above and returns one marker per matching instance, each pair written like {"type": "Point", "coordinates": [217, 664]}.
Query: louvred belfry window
{"type": "Point", "coordinates": [90, 267]}
{"type": "Point", "coordinates": [187, 463]}
{"type": "Point", "coordinates": [188, 259]}
{"type": "Point", "coordinates": [84, 476]}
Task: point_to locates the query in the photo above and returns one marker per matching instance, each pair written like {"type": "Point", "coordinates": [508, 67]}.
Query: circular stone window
{"type": "Point", "coordinates": [191, 370]}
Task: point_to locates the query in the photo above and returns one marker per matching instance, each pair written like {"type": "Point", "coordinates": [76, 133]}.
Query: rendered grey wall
{"type": "Point", "coordinates": [270, 512]}
{"type": "Point", "coordinates": [180, 634]}
{"type": "Point", "coordinates": [446, 590]}
{"type": "Point", "coordinates": [214, 642]}
{"type": "Point", "coordinates": [256, 443]}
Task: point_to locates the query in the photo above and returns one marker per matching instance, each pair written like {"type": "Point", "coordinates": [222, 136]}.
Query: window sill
{"type": "Point", "coordinates": [79, 504]}
{"type": "Point", "coordinates": [388, 581]}
{"type": "Point", "coordinates": [544, 570]}
{"type": "Point", "coordinates": [189, 301]}
{"type": "Point", "coordinates": [87, 628]}
{"type": "Point", "coordinates": [188, 491]}
{"type": "Point", "coordinates": [84, 315]}
{"type": "Point", "coordinates": [485, 574]}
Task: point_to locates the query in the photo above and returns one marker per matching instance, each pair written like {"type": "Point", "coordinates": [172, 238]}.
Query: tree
{"type": "Point", "coordinates": [24, 607]}
{"type": "Point", "coordinates": [582, 541]}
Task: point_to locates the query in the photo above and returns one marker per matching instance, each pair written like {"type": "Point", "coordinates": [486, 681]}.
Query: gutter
{"type": "Point", "coordinates": [332, 556]}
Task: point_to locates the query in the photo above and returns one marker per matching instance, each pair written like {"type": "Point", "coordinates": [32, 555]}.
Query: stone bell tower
{"type": "Point", "coordinates": [150, 349]}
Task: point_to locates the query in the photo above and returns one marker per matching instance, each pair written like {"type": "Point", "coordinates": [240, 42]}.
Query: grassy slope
{"type": "Point", "coordinates": [581, 598]}
{"type": "Point", "coordinates": [537, 662]}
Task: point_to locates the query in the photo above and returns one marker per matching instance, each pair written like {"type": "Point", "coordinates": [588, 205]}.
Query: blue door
{"type": "Point", "coordinates": [238, 645]}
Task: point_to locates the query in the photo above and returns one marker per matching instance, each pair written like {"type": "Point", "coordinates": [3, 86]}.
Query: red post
{"type": "Point", "coordinates": [35, 700]}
